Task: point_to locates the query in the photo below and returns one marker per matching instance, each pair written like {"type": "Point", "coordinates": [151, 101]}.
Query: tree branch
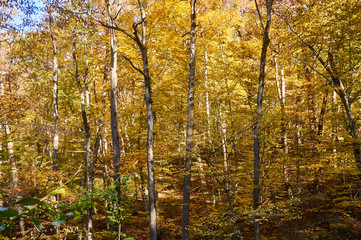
{"type": "Point", "coordinates": [259, 14]}
{"type": "Point", "coordinates": [131, 63]}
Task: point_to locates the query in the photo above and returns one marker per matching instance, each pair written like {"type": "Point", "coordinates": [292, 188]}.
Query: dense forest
{"type": "Point", "coordinates": [180, 119]}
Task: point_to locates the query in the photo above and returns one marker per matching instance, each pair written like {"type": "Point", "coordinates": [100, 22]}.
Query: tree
{"type": "Point", "coordinates": [189, 131]}
{"type": "Point", "coordinates": [82, 87]}
{"type": "Point", "coordinates": [333, 75]}
{"type": "Point", "coordinates": [51, 12]}
{"type": "Point", "coordinates": [257, 125]}
{"type": "Point", "coordinates": [307, 176]}
{"type": "Point", "coordinates": [142, 43]}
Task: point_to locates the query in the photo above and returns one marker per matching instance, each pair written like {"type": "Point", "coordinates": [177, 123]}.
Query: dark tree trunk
{"type": "Point", "coordinates": [322, 113]}
{"type": "Point", "coordinates": [256, 134]}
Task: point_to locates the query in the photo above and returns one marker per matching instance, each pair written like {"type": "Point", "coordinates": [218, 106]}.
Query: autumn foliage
{"type": "Point", "coordinates": [309, 126]}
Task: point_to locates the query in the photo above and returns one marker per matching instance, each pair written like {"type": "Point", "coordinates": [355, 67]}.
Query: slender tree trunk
{"type": "Point", "coordinates": [111, 6]}
{"type": "Point", "coordinates": [335, 110]}
{"type": "Point", "coordinates": [206, 206]}
{"type": "Point", "coordinates": [189, 132]}
{"type": "Point", "coordinates": [310, 103]}
{"type": "Point", "coordinates": [214, 183]}
{"type": "Point", "coordinates": [55, 93]}
{"type": "Point", "coordinates": [224, 147]}
{"type": "Point", "coordinates": [322, 113]}
{"type": "Point", "coordinates": [256, 134]}
{"type": "Point", "coordinates": [14, 174]}
{"type": "Point", "coordinates": [88, 166]}
{"type": "Point", "coordinates": [113, 10]}
{"type": "Point", "coordinates": [144, 197]}
{"type": "Point", "coordinates": [281, 89]}
{"type": "Point", "coordinates": [55, 97]}
{"type": "Point", "coordinates": [14, 171]}
{"type": "Point", "coordinates": [114, 119]}
{"type": "Point", "coordinates": [142, 43]}
{"type": "Point", "coordinates": [237, 233]}
{"type": "Point", "coordinates": [113, 107]}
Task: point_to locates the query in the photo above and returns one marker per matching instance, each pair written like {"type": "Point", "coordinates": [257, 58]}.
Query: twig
{"type": "Point", "coordinates": [63, 184]}
{"type": "Point", "coordinates": [131, 63]}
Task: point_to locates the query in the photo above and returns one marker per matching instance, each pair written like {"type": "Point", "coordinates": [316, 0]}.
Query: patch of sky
{"type": "Point", "coordinates": [24, 15]}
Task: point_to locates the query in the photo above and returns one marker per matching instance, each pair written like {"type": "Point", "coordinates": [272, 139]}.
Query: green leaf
{"type": "Point", "coordinates": [78, 205]}
{"type": "Point", "coordinates": [77, 213]}
{"type": "Point", "coordinates": [9, 213]}
{"type": "Point", "coordinates": [31, 201]}
{"type": "Point", "coordinates": [90, 204]}
{"type": "Point", "coordinates": [35, 221]}
{"type": "Point", "coordinates": [58, 191]}
{"type": "Point", "coordinates": [69, 214]}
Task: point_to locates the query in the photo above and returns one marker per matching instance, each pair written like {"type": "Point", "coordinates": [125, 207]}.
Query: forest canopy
{"type": "Point", "coordinates": [180, 119]}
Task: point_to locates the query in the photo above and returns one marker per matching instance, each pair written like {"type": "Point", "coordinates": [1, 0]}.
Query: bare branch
{"type": "Point", "coordinates": [131, 63]}
{"type": "Point", "coordinates": [107, 25]}
{"type": "Point", "coordinates": [315, 53]}
{"type": "Point", "coordinates": [135, 25]}
{"type": "Point", "coordinates": [259, 14]}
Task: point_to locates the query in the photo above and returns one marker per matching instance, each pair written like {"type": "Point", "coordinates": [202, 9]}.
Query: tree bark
{"type": "Point", "coordinates": [14, 183]}
{"type": "Point", "coordinates": [88, 166]}
{"type": "Point", "coordinates": [142, 43]}
{"type": "Point", "coordinates": [256, 134]}
{"type": "Point", "coordinates": [113, 101]}
{"type": "Point", "coordinates": [14, 171]}
{"type": "Point", "coordinates": [55, 92]}
{"type": "Point", "coordinates": [113, 107]}
{"type": "Point", "coordinates": [189, 131]}
{"type": "Point", "coordinates": [208, 126]}
{"type": "Point", "coordinates": [322, 113]}
{"type": "Point", "coordinates": [281, 90]}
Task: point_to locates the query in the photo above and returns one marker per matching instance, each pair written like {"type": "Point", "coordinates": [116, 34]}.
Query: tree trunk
{"type": "Point", "coordinates": [82, 89]}
{"type": "Point", "coordinates": [55, 93]}
{"type": "Point", "coordinates": [281, 90]}
{"type": "Point", "coordinates": [206, 206]}
{"type": "Point", "coordinates": [14, 183]}
{"type": "Point", "coordinates": [208, 126]}
{"type": "Point", "coordinates": [222, 124]}
{"type": "Point", "coordinates": [189, 131]}
{"type": "Point", "coordinates": [113, 106]}
{"type": "Point", "coordinates": [256, 134]}
{"type": "Point", "coordinates": [310, 103]}
{"type": "Point", "coordinates": [14, 171]}
{"type": "Point", "coordinates": [142, 43]}
{"type": "Point", "coordinates": [237, 233]}
{"type": "Point", "coordinates": [143, 190]}
{"type": "Point", "coordinates": [322, 113]}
